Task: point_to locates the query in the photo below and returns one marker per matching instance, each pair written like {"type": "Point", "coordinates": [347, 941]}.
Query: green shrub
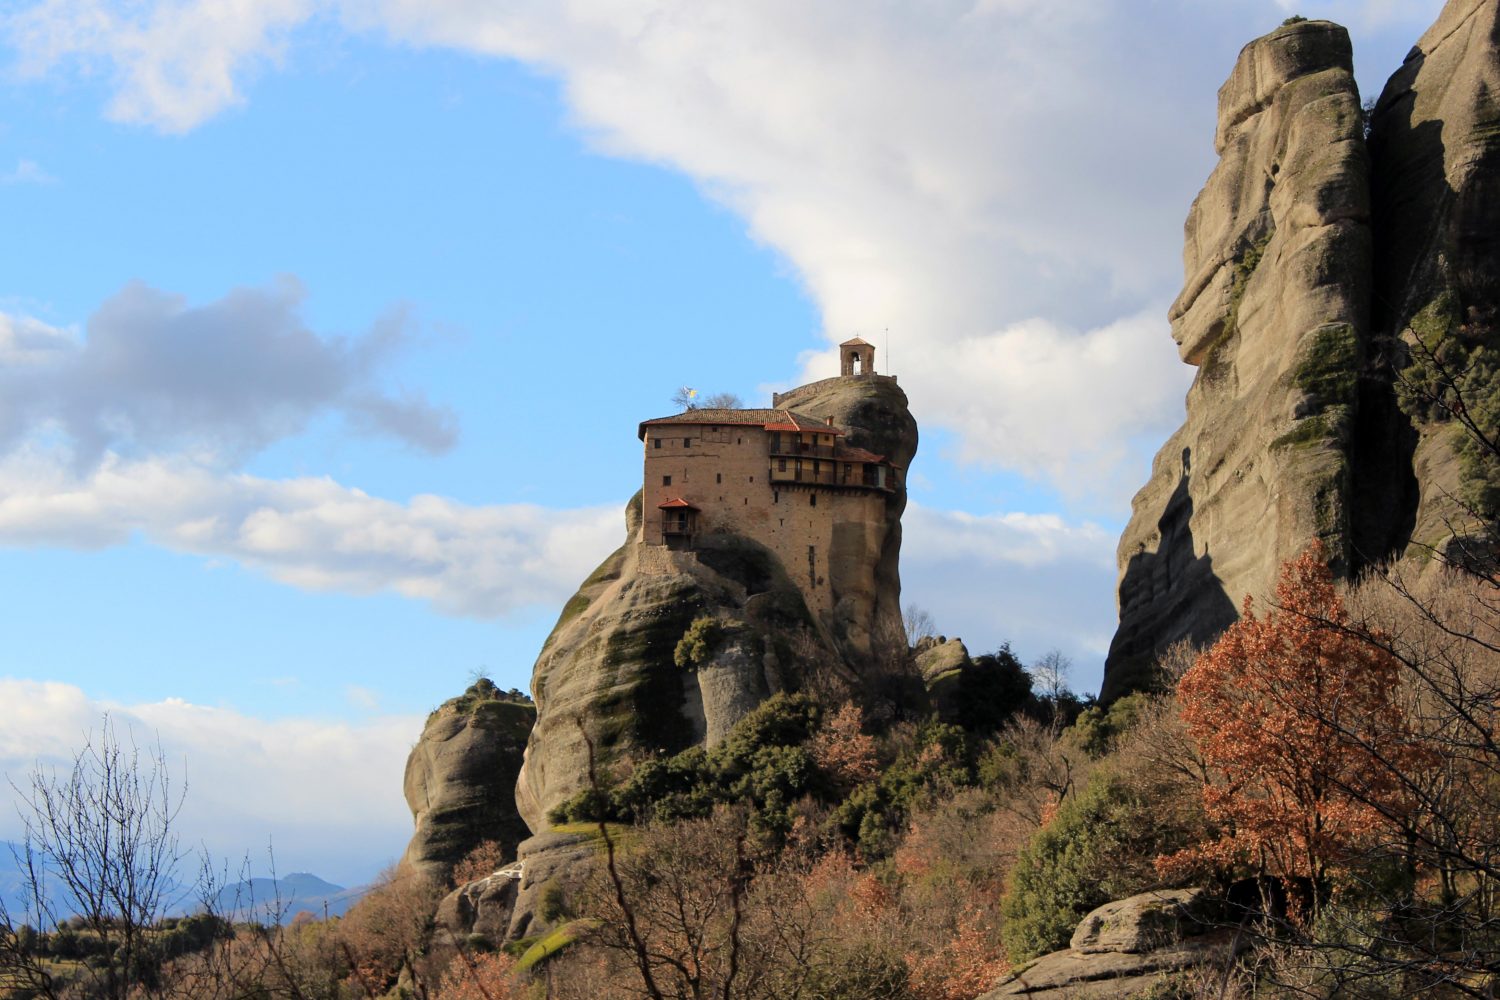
{"type": "Point", "coordinates": [554, 904]}
{"type": "Point", "coordinates": [936, 763]}
{"type": "Point", "coordinates": [1089, 854]}
{"type": "Point", "coordinates": [761, 762]}
{"type": "Point", "coordinates": [991, 691]}
{"type": "Point", "coordinates": [1096, 729]}
{"type": "Point", "coordinates": [697, 645]}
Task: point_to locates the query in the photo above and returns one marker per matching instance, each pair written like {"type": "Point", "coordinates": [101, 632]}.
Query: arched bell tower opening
{"type": "Point", "coordinates": [856, 357]}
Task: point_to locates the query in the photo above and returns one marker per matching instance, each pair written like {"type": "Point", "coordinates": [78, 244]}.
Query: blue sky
{"type": "Point", "coordinates": [325, 328]}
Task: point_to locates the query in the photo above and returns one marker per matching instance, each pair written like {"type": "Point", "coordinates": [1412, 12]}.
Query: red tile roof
{"type": "Point", "coordinates": [851, 454]}
{"type": "Point", "coordinates": [856, 342]}
{"type": "Point", "coordinates": [771, 420]}
{"type": "Point", "coordinates": [673, 503]}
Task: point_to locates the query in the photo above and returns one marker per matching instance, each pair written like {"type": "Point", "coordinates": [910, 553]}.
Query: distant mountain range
{"type": "Point", "coordinates": [283, 898]}
{"type": "Point", "coordinates": [254, 899]}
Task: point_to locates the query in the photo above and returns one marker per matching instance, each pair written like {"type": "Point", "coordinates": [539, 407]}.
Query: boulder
{"type": "Point", "coordinates": [1128, 947]}
{"type": "Point", "coordinates": [1145, 922]}
{"type": "Point", "coordinates": [940, 657]}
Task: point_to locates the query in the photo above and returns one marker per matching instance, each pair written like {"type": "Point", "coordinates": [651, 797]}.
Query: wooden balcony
{"type": "Point", "coordinates": [861, 477]}
{"type": "Point", "coordinates": [796, 449]}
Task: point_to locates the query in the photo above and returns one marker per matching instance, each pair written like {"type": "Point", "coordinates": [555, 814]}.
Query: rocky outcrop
{"type": "Point", "coordinates": [865, 565]}
{"type": "Point", "coordinates": [1128, 947]}
{"type": "Point", "coordinates": [1274, 314]}
{"type": "Point", "coordinates": [1435, 146]}
{"type": "Point", "coordinates": [938, 657]}
{"type": "Point", "coordinates": [460, 779]}
{"type": "Point", "coordinates": [527, 897]}
{"type": "Point", "coordinates": [608, 671]}
{"type": "Point", "coordinates": [1316, 264]}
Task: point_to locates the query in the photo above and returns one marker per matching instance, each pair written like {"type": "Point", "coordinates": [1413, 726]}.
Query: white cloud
{"type": "Point", "coordinates": [362, 697]}
{"type": "Point", "coordinates": [26, 341]}
{"type": "Point", "coordinates": [227, 378]}
{"type": "Point", "coordinates": [951, 171]}
{"type": "Point", "coordinates": [313, 532]}
{"type": "Point", "coordinates": [326, 794]}
{"type": "Point", "coordinates": [1037, 581]}
{"type": "Point", "coordinates": [27, 172]}
{"type": "Point", "coordinates": [175, 63]}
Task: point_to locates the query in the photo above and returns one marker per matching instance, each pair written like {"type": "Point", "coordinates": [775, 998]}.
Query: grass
{"type": "Point", "coordinates": [554, 942]}
{"type": "Point", "coordinates": [616, 830]}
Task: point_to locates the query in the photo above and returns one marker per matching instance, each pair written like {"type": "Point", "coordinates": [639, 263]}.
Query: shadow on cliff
{"type": "Point", "coordinates": [1169, 594]}
{"type": "Point", "coordinates": [1411, 204]}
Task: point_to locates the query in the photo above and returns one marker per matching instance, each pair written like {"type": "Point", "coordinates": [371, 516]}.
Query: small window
{"type": "Point", "coordinates": [812, 501]}
{"type": "Point", "coordinates": [666, 480]}
{"type": "Point", "coordinates": [687, 442]}
{"type": "Point", "coordinates": [776, 496]}
{"type": "Point", "coordinates": [739, 441]}
{"type": "Point", "coordinates": [718, 477]}
{"type": "Point", "coordinates": [656, 442]}
{"type": "Point", "coordinates": [781, 465]}
{"type": "Point", "coordinates": [752, 479]}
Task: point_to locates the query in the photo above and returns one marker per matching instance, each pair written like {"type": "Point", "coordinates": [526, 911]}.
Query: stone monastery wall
{"type": "Point", "coordinates": [726, 472]}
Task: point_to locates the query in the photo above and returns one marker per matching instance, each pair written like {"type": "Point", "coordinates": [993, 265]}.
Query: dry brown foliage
{"type": "Point", "coordinates": [487, 857]}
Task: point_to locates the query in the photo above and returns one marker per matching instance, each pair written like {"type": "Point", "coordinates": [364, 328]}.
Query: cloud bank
{"type": "Point", "coordinates": [478, 561]}
{"type": "Point", "coordinates": [326, 795]}
{"type": "Point", "coordinates": [1036, 581]}
{"type": "Point", "coordinates": [228, 378]}
{"type": "Point", "coordinates": [998, 183]}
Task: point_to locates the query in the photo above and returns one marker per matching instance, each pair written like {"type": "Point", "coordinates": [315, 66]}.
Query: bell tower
{"type": "Point", "coordinates": [856, 357]}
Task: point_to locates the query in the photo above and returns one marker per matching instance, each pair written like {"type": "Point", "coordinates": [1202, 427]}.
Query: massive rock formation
{"type": "Point", "coordinates": [865, 565]}
{"type": "Point", "coordinates": [1435, 145]}
{"type": "Point", "coordinates": [1274, 314]}
{"type": "Point", "coordinates": [1302, 286]}
{"type": "Point", "coordinates": [460, 779]}
{"type": "Point", "coordinates": [608, 663]}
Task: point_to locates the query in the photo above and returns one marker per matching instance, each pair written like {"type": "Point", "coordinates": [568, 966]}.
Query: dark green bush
{"type": "Point", "coordinates": [936, 762]}
{"type": "Point", "coordinates": [697, 645]}
{"type": "Point", "coordinates": [992, 690]}
{"type": "Point", "coordinates": [761, 762]}
{"type": "Point", "coordinates": [1097, 848]}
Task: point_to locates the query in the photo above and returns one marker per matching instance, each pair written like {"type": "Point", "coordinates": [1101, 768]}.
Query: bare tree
{"type": "Point", "coordinates": [689, 398]}
{"type": "Point", "coordinates": [97, 850]}
{"type": "Point", "coordinates": [1049, 678]}
{"type": "Point", "coordinates": [722, 401]}
{"type": "Point", "coordinates": [918, 624]}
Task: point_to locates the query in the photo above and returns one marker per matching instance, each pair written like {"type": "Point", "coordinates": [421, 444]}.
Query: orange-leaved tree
{"type": "Point", "coordinates": [1297, 720]}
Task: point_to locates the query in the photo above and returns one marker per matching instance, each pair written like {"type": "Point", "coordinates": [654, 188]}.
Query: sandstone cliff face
{"type": "Point", "coordinates": [865, 565]}
{"type": "Point", "coordinates": [1274, 314]}
{"type": "Point", "coordinates": [1435, 145]}
{"type": "Point", "coordinates": [1334, 286]}
{"type": "Point", "coordinates": [609, 660]}
{"type": "Point", "coordinates": [460, 780]}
